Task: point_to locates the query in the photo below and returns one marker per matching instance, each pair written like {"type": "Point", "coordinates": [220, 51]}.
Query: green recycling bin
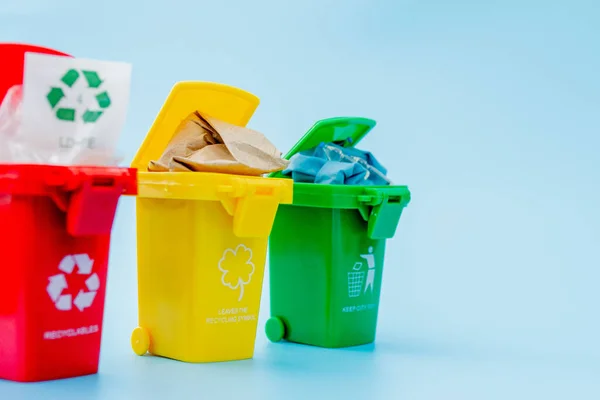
{"type": "Point", "coordinates": [326, 251]}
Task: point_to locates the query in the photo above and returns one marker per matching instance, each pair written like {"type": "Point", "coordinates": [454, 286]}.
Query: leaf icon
{"type": "Point", "coordinates": [237, 268]}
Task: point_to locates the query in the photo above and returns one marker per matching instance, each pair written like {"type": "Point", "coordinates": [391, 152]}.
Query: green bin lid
{"type": "Point", "coordinates": [344, 131]}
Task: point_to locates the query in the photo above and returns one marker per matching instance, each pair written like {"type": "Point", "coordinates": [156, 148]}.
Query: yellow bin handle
{"type": "Point", "coordinates": [253, 203]}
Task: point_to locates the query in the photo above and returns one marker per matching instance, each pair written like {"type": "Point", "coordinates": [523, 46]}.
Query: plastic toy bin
{"type": "Point", "coordinates": [326, 251]}
{"type": "Point", "coordinates": [54, 242]}
{"type": "Point", "coordinates": [201, 240]}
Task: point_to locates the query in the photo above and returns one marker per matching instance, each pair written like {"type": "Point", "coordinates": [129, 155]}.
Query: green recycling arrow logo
{"type": "Point", "coordinates": [69, 79]}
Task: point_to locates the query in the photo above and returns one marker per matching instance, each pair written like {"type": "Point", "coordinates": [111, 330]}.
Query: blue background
{"type": "Point", "coordinates": [488, 110]}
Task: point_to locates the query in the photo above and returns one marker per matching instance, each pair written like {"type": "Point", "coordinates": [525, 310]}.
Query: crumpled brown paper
{"type": "Point", "coordinates": [205, 144]}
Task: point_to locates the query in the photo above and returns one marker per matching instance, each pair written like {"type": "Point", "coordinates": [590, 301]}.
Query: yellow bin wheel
{"type": "Point", "coordinates": [140, 341]}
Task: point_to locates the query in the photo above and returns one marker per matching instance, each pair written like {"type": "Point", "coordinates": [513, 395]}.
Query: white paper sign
{"type": "Point", "coordinates": [73, 110]}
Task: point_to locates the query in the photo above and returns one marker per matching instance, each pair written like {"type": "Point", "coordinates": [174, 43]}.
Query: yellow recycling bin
{"type": "Point", "coordinates": [201, 240]}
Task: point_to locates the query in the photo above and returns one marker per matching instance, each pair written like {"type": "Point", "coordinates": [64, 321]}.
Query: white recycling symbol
{"type": "Point", "coordinates": [58, 283]}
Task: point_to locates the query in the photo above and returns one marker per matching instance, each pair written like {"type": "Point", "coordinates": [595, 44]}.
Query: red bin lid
{"type": "Point", "coordinates": [12, 56]}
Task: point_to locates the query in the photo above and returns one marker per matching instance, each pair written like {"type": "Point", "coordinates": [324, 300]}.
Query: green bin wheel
{"type": "Point", "coordinates": [275, 329]}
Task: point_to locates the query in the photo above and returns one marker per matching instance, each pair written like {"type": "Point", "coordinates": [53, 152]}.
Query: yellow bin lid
{"type": "Point", "coordinates": [223, 102]}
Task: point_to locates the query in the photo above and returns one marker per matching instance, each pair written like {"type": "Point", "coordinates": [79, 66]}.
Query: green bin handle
{"type": "Point", "coordinates": [382, 208]}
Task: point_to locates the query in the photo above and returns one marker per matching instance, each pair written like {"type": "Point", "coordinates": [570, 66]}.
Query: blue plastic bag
{"type": "Point", "coordinates": [329, 163]}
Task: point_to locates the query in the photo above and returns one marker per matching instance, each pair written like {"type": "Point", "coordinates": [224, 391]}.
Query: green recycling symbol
{"type": "Point", "coordinates": [56, 94]}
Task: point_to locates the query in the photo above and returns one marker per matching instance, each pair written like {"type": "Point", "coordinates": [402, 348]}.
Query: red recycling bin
{"type": "Point", "coordinates": [54, 248]}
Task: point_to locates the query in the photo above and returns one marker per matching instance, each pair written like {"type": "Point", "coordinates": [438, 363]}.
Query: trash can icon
{"type": "Point", "coordinates": [335, 251]}
{"type": "Point", "coordinates": [356, 279]}
{"type": "Point", "coordinates": [201, 240]}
